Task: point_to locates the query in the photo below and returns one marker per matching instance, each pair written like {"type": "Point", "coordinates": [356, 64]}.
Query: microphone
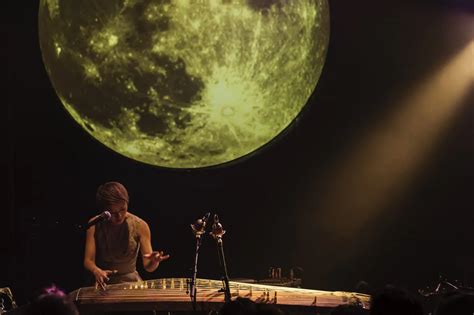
{"type": "Point", "coordinates": [104, 216]}
{"type": "Point", "coordinates": [205, 218]}
{"type": "Point", "coordinates": [217, 229]}
{"type": "Point", "coordinates": [199, 226]}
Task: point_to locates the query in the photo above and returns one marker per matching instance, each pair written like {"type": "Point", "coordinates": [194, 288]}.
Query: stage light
{"type": "Point", "coordinates": [382, 165]}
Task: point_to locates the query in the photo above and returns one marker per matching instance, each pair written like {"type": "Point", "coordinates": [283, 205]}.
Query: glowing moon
{"type": "Point", "coordinates": [184, 83]}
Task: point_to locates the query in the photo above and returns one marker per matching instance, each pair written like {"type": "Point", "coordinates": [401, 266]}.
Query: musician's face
{"type": "Point", "coordinates": [118, 212]}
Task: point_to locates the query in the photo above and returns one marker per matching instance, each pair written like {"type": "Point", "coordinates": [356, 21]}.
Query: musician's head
{"type": "Point", "coordinates": [113, 197]}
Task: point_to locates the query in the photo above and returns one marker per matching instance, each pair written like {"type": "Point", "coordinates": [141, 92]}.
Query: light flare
{"type": "Point", "coordinates": [384, 163]}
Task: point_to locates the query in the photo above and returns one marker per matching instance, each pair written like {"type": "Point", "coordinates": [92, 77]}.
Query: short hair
{"type": "Point", "coordinates": [111, 193]}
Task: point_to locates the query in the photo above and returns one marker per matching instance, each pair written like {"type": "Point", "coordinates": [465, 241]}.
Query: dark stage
{"type": "Point", "coordinates": [372, 182]}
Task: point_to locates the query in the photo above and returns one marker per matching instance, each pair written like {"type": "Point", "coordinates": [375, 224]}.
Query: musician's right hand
{"type": "Point", "coordinates": [101, 276]}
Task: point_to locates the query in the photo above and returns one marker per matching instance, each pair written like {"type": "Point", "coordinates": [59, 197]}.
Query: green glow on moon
{"type": "Point", "coordinates": [188, 83]}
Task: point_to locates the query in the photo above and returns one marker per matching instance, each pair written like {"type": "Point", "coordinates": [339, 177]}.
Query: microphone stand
{"type": "Point", "coordinates": [104, 216]}
{"type": "Point", "coordinates": [217, 232]}
{"type": "Point", "coordinates": [442, 286]}
{"type": "Point", "coordinates": [199, 228]}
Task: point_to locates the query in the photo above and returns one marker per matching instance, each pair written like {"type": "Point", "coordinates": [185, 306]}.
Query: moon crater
{"type": "Point", "coordinates": [185, 83]}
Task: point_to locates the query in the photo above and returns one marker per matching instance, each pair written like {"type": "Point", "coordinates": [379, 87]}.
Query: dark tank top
{"type": "Point", "coordinates": [117, 248]}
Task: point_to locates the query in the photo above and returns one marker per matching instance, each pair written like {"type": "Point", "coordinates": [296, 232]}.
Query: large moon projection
{"type": "Point", "coordinates": [184, 83]}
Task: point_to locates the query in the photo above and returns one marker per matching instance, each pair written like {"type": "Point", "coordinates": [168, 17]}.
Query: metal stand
{"type": "Point", "coordinates": [217, 232]}
{"type": "Point", "coordinates": [442, 287]}
{"type": "Point", "coordinates": [199, 228]}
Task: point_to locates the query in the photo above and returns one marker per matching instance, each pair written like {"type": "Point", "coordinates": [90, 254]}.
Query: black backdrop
{"type": "Point", "coordinates": [377, 50]}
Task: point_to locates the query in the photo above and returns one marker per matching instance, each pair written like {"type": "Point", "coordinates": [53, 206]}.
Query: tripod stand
{"type": "Point", "coordinates": [444, 286]}
{"type": "Point", "coordinates": [217, 232]}
{"type": "Point", "coordinates": [199, 228]}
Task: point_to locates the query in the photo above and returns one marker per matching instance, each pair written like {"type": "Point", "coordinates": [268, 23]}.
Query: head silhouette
{"type": "Point", "coordinates": [239, 306]}
{"type": "Point", "coordinates": [394, 301]}
{"type": "Point", "coordinates": [244, 306]}
{"type": "Point", "coordinates": [52, 302]}
{"type": "Point", "coordinates": [456, 303]}
{"type": "Point", "coordinates": [349, 310]}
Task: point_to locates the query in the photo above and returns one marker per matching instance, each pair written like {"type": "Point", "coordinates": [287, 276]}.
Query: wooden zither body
{"type": "Point", "coordinates": [172, 295]}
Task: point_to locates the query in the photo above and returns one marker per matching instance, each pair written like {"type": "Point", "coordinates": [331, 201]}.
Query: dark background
{"type": "Point", "coordinates": [268, 202]}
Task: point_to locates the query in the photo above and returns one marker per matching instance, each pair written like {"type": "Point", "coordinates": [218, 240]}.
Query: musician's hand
{"type": "Point", "coordinates": [156, 257]}
{"type": "Point", "coordinates": [101, 276]}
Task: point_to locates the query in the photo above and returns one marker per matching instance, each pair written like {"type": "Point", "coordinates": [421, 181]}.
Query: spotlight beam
{"type": "Point", "coordinates": [383, 164]}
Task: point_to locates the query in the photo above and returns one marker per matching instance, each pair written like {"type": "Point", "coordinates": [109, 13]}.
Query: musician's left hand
{"type": "Point", "coordinates": [156, 257]}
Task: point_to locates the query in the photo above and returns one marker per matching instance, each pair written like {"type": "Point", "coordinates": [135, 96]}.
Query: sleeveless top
{"type": "Point", "coordinates": [117, 248]}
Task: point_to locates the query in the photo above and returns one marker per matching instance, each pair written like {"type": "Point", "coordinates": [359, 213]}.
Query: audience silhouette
{"type": "Point", "coordinates": [456, 304]}
{"type": "Point", "coordinates": [52, 301]}
{"type": "Point", "coordinates": [395, 301]}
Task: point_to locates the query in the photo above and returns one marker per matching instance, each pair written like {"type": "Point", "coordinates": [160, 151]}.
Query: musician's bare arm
{"type": "Point", "coordinates": [89, 254]}
{"type": "Point", "coordinates": [101, 276]}
{"type": "Point", "coordinates": [151, 259]}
